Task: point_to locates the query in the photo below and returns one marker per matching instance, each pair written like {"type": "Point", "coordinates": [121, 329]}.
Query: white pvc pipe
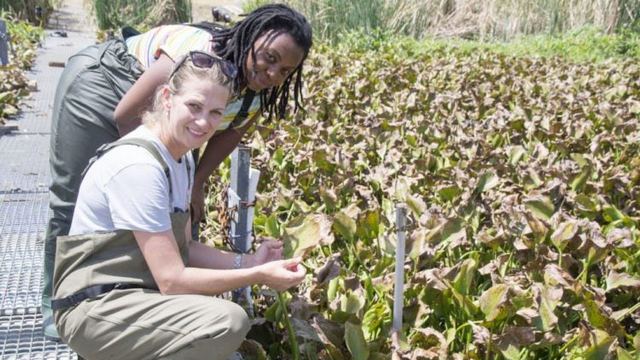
{"type": "Point", "coordinates": [398, 293]}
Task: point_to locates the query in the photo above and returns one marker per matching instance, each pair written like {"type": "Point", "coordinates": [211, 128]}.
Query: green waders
{"type": "Point", "coordinates": [93, 82]}
{"type": "Point", "coordinates": [107, 306]}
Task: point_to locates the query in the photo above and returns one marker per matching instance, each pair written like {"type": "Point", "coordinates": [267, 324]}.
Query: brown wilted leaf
{"type": "Point", "coordinates": [616, 280]}
{"type": "Point", "coordinates": [329, 332]}
{"type": "Point", "coordinates": [328, 271]}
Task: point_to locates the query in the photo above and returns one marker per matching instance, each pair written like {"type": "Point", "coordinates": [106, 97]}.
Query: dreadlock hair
{"type": "Point", "coordinates": [236, 43]}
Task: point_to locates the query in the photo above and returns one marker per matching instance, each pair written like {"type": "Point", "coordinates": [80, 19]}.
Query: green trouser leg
{"type": "Point", "coordinates": [88, 92]}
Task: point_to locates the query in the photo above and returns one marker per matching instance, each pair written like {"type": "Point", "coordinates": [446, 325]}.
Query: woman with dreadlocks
{"type": "Point", "coordinates": [105, 89]}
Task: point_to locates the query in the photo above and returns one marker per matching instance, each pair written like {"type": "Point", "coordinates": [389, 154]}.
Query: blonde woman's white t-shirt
{"type": "Point", "coordinates": [127, 189]}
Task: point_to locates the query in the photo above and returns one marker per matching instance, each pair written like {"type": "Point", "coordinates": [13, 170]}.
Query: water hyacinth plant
{"type": "Point", "coordinates": [14, 85]}
{"type": "Point", "coordinates": [521, 178]}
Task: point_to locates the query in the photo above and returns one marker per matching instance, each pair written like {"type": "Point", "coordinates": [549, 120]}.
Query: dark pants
{"type": "Point", "coordinates": [92, 84]}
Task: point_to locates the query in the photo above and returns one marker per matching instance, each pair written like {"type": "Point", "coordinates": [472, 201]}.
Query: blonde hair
{"type": "Point", "coordinates": [186, 71]}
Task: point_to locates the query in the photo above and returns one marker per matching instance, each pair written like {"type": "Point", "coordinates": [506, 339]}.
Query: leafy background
{"type": "Point", "coordinates": [14, 84]}
{"type": "Point", "coordinates": [521, 174]}
{"type": "Point", "coordinates": [518, 161]}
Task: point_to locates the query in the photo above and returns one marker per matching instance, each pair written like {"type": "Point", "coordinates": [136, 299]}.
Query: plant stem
{"type": "Point", "coordinates": [293, 342]}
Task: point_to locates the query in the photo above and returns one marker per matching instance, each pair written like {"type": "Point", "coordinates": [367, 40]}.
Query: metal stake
{"type": "Point", "coordinates": [240, 228]}
{"type": "Point", "coordinates": [4, 43]}
{"type": "Point", "coordinates": [240, 164]}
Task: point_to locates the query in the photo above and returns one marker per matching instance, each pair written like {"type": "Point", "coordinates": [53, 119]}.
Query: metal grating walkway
{"type": "Point", "coordinates": [24, 181]}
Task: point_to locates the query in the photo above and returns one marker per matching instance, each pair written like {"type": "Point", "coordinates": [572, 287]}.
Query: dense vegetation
{"type": "Point", "coordinates": [471, 19]}
{"type": "Point", "coordinates": [34, 11]}
{"type": "Point", "coordinates": [521, 174]}
{"type": "Point", "coordinates": [519, 162]}
{"type": "Point", "coordinates": [14, 85]}
{"type": "Point", "coordinates": [114, 14]}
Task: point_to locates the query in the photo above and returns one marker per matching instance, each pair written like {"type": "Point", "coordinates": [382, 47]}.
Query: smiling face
{"type": "Point", "coordinates": [276, 56]}
{"type": "Point", "coordinates": [194, 113]}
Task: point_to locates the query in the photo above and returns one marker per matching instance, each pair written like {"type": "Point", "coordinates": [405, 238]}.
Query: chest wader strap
{"type": "Point", "coordinates": [89, 293]}
{"type": "Point", "coordinates": [145, 144]}
{"type": "Point", "coordinates": [97, 290]}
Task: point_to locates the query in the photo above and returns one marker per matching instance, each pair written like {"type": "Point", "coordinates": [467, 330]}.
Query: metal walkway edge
{"type": "Point", "coordinates": [24, 182]}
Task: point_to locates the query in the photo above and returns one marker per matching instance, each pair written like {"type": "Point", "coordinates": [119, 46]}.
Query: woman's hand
{"type": "Point", "coordinates": [269, 250]}
{"type": "Point", "coordinates": [282, 274]}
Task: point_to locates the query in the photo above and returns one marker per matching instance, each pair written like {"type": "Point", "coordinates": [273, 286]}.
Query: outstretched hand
{"type": "Point", "coordinates": [283, 274]}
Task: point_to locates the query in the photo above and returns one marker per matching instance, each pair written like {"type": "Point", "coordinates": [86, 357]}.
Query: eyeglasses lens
{"type": "Point", "coordinates": [204, 60]}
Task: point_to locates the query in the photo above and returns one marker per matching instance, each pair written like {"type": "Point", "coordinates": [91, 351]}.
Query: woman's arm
{"type": "Point", "coordinates": [217, 149]}
{"type": "Point", "coordinates": [162, 255]}
{"type": "Point", "coordinates": [139, 98]}
{"type": "Point", "coordinates": [203, 256]}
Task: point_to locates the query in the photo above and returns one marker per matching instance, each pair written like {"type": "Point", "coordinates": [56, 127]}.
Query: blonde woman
{"type": "Point", "coordinates": [129, 282]}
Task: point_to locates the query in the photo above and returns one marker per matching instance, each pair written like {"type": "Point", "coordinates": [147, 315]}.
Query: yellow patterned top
{"type": "Point", "coordinates": [176, 41]}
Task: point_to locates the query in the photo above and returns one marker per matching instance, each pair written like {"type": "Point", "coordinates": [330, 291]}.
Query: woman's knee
{"type": "Point", "coordinates": [238, 321]}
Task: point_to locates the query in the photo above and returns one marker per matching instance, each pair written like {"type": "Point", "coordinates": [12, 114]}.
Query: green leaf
{"type": "Point", "coordinates": [598, 319]}
{"type": "Point", "coordinates": [345, 226]}
{"type": "Point", "coordinates": [601, 349]}
{"type": "Point", "coordinates": [272, 226]}
{"type": "Point", "coordinates": [278, 158]}
{"type": "Point", "coordinates": [447, 232]}
{"type": "Point", "coordinates": [465, 302]}
{"type": "Point", "coordinates": [623, 354]}
{"type": "Point", "coordinates": [352, 303]}
{"type": "Point", "coordinates": [578, 183]}
{"type": "Point", "coordinates": [488, 180]}
{"type": "Point", "coordinates": [332, 289]}
{"type": "Point", "coordinates": [374, 319]}
{"type": "Point", "coordinates": [354, 338]}
{"type": "Point", "coordinates": [462, 282]}
{"type": "Point", "coordinates": [511, 352]}
{"type": "Point", "coordinates": [302, 237]}
{"type": "Point", "coordinates": [547, 298]}
{"type": "Point", "coordinates": [416, 204]}
{"type": "Point", "coordinates": [515, 155]}
{"type": "Point", "coordinates": [492, 301]}
{"type": "Point", "coordinates": [449, 193]}
{"type": "Point", "coordinates": [565, 232]}
{"type": "Point", "coordinates": [329, 197]}
{"type": "Point", "coordinates": [540, 206]}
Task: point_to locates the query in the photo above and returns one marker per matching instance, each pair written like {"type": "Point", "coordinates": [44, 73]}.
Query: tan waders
{"type": "Point", "coordinates": [107, 305]}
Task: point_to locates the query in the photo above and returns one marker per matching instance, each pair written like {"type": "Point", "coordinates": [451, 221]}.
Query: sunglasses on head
{"type": "Point", "coordinates": [204, 60]}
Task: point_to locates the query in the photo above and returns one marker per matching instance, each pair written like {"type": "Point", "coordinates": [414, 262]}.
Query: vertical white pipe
{"type": "Point", "coordinates": [398, 293]}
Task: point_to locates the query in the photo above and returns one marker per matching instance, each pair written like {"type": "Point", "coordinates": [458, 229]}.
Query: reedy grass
{"type": "Point", "coordinates": [26, 9]}
{"type": "Point", "coordinates": [471, 19]}
{"type": "Point", "coordinates": [112, 14]}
